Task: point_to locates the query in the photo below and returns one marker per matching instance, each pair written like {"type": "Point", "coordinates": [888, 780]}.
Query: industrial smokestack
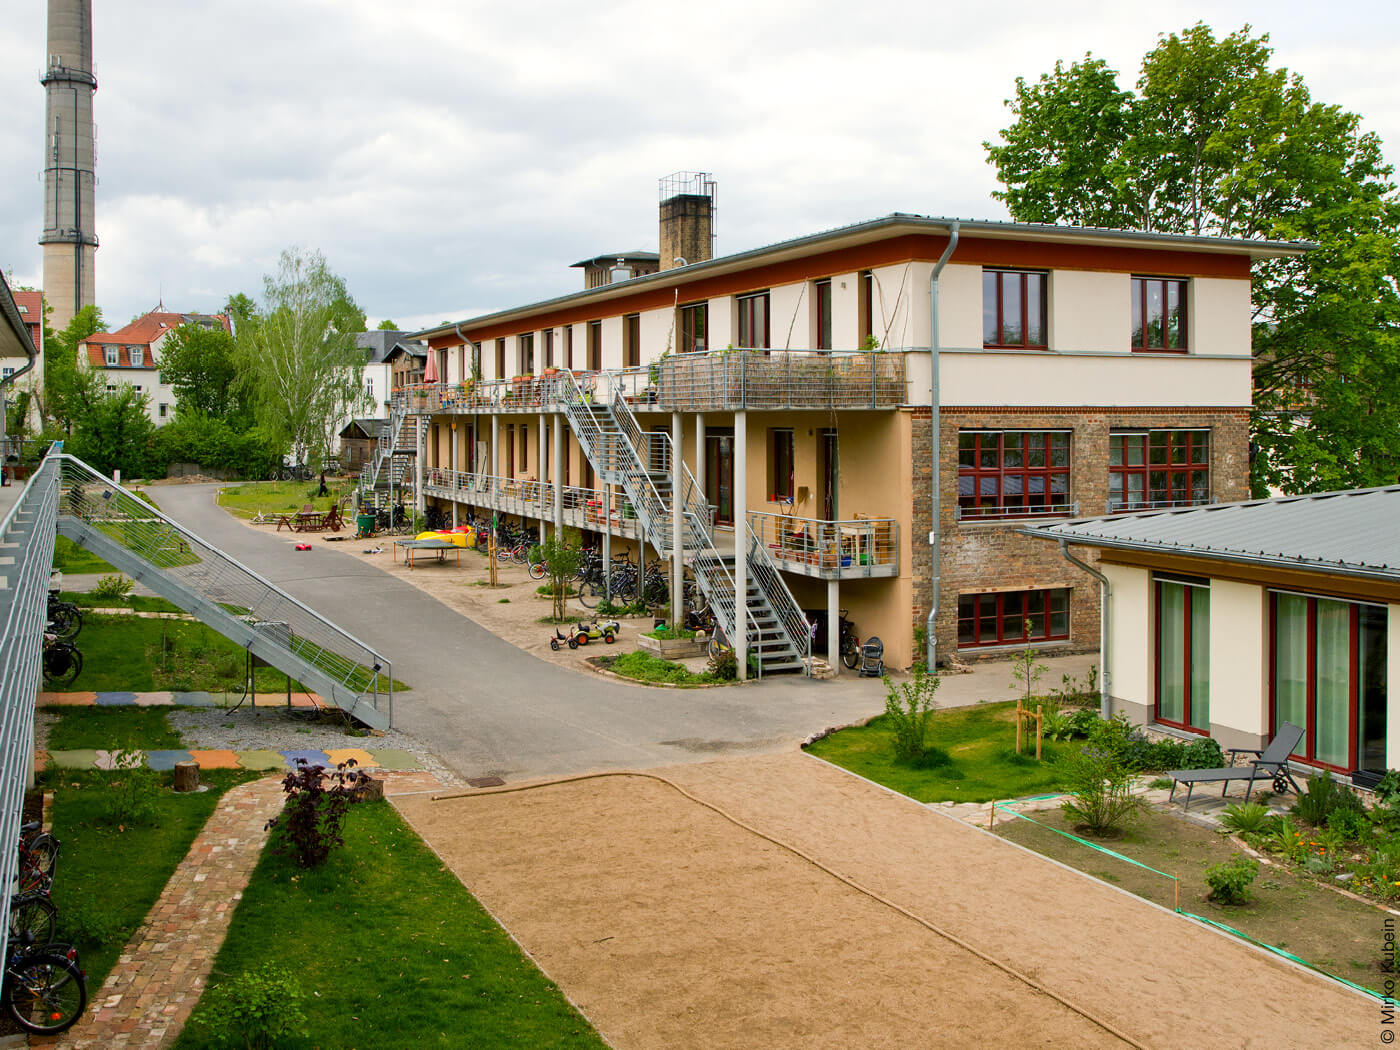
{"type": "Point", "coordinates": [70, 235]}
{"type": "Point", "coordinates": [687, 218]}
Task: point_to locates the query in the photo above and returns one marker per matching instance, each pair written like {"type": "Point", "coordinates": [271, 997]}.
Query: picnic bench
{"type": "Point", "coordinates": [312, 521]}
{"type": "Point", "coordinates": [439, 547]}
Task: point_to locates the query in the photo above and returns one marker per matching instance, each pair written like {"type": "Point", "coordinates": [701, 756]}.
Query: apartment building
{"type": "Point", "coordinates": [865, 418]}
{"type": "Point", "coordinates": [131, 356]}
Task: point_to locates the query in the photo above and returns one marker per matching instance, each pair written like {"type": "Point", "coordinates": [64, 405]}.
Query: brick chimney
{"type": "Point", "coordinates": [687, 218]}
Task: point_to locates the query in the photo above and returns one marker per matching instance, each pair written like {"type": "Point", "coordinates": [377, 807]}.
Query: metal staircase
{"type": "Point", "coordinates": [139, 540]}
{"type": "Point", "coordinates": [391, 470]}
{"type": "Point", "coordinates": [622, 454]}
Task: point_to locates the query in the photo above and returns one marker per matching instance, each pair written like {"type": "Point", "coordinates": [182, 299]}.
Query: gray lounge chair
{"type": "Point", "coordinates": [1270, 764]}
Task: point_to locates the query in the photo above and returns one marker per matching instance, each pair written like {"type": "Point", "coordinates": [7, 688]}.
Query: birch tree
{"type": "Point", "coordinates": [297, 355]}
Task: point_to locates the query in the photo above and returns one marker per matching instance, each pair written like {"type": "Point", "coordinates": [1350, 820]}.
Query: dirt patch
{"type": "Point", "coordinates": [673, 926]}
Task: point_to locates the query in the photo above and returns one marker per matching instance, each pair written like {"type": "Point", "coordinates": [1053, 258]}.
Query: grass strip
{"type": "Point", "coordinates": [642, 666]}
{"type": "Point", "coordinates": [113, 729]}
{"type": "Point", "coordinates": [136, 602]}
{"type": "Point", "coordinates": [971, 758]}
{"type": "Point", "coordinates": [72, 559]}
{"type": "Point", "coordinates": [281, 497]}
{"type": "Point", "coordinates": [397, 952]}
{"type": "Point", "coordinates": [108, 877]}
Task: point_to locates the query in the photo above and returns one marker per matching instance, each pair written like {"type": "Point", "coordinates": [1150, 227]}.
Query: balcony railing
{"type": "Point", "coordinates": [830, 550]}
{"type": "Point", "coordinates": [1008, 511]}
{"type": "Point", "coordinates": [748, 378]}
{"type": "Point", "coordinates": [582, 508]}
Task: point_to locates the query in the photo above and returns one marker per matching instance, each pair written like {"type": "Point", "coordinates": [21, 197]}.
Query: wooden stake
{"type": "Point", "coordinates": [1018, 726]}
{"type": "Point", "coordinates": [992, 816]}
{"type": "Point", "coordinates": [1176, 885]}
{"type": "Point", "coordinates": [1039, 730]}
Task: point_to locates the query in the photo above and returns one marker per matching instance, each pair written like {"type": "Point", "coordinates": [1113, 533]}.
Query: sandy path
{"type": "Point", "coordinates": [671, 926]}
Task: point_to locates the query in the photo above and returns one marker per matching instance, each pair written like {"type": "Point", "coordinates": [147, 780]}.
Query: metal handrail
{"type": "Point", "coordinates": [755, 377]}
{"type": "Point", "coordinates": [216, 576]}
{"type": "Point", "coordinates": [827, 543]}
{"type": "Point", "coordinates": [995, 511]}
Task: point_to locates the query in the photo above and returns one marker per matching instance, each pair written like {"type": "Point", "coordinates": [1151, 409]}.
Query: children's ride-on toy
{"type": "Point", "coordinates": [583, 633]}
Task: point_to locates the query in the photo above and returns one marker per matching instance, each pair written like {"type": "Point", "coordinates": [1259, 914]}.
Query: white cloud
{"type": "Point", "coordinates": [451, 158]}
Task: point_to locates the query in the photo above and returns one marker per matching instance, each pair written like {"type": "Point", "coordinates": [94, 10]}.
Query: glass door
{"type": "Point", "coordinates": [719, 473]}
{"type": "Point", "coordinates": [830, 474]}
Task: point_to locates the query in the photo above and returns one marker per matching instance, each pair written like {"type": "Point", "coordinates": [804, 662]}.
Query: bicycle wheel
{"type": "Point", "coordinates": [590, 594]}
{"type": "Point", "coordinates": [537, 570]}
{"type": "Point", "coordinates": [45, 993]}
{"type": "Point", "coordinates": [43, 854]}
{"type": "Point", "coordinates": [62, 664]}
{"type": "Point", "coordinates": [850, 654]}
{"type": "Point", "coordinates": [32, 918]}
{"type": "Point", "coordinates": [65, 621]}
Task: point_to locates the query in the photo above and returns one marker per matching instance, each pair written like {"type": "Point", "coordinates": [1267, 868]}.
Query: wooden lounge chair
{"type": "Point", "coordinates": [1269, 764]}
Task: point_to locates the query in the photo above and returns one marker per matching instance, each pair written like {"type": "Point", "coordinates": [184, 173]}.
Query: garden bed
{"type": "Point", "coordinates": [653, 670]}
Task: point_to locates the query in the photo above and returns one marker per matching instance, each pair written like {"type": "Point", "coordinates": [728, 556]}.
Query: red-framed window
{"type": "Point", "coordinates": [1158, 468]}
{"type": "Point", "coordinates": [501, 359]}
{"type": "Point", "coordinates": [1328, 674]}
{"type": "Point", "coordinates": [569, 347]}
{"type": "Point", "coordinates": [1012, 473]}
{"type": "Point", "coordinates": [1014, 308]}
{"type": "Point", "coordinates": [780, 465]}
{"type": "Point", "coordinates": [595, 346]}
{"type": "Point", "coordinates": [1012, 617]}
{"type": "Point", "coordinates": [549, 348]}
{"type": "Point", "coordinates": [821, 297]}
{"type": "Point", "coordinates": [631, 340]}
{"type": "Point", "coordinates": [1181, 695]}
{"type": "Point", "coordinates": [695, 327]}
{"type": "Point", "coordinates": [753, 321]}
{"type": "Point", "coordinates": [510, 450]}
{"type": "Point", "coordinates": [1159, 314]}
{"type": "Point", "coordinates": [865, 307]}
{"type": "Point", "coordinates": [525, 347]}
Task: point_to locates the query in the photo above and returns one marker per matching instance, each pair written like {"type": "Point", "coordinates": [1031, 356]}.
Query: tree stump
{"type": "Point", "coordinates": [186, 776]}
{"type": "Point", "coordinates": [369, 788]}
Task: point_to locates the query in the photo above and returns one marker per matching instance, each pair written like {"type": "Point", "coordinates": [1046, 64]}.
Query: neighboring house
{"type": "Point", "coordinates": [357, 442]}
{"type": "Point", "coordinates": [1079, 371]}
{"type": "Point", "coordinates": [17, 349]}
{"type": "Point", "coordinates": [378, 367]}
{"type": "Point", "coordinates": [131, 356]}
{"type": "Point", "coordinates": [1232, 619]}
{"type": "Point", "coordinates": [30, 307]}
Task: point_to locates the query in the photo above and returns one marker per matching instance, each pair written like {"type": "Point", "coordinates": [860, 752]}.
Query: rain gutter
{"type": "Point", "coordinates": [935, 575]}
{"type": "Point", "coordinates": [1105, 593]}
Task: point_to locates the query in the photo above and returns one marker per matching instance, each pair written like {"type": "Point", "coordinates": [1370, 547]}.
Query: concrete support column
{"type": "Point", "coordinates": [677, 505]}
{"type": "Point", "coordinates": [833, 625]}
{"type": "Point", "coordinates": [540, 476]}
{"type": "Point", "coordinates": [741, 547]}
{"type": "Point", "coordinates": [420, 468]}
{"type": "Point", "coordinates": [559, 427]}
{"type": "Point", "coordinates": [607, 541]}
{"type": "Point", "coordinates": [495, 460]}
{"type": "Point", "coordinates": [700, 453]}
{"type": "Point", "coordinates": [453, 476]}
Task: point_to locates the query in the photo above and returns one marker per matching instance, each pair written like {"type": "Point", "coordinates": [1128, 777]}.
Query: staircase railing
{"type": "Point", "coordinates": [194, 574]}
{"type": "Point", "coordinates": [384, 448]}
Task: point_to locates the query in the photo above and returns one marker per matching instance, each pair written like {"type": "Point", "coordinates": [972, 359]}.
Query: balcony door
{"type": "Point", "coordinates": [719, 473]}
{"type": "Point", "coordinates": [830, 473]}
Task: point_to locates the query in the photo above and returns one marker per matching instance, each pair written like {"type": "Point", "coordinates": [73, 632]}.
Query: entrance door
{"type": "Point", "coordinates": [719, 473]}
{"type": "Point", "coordinates": [830, 472]}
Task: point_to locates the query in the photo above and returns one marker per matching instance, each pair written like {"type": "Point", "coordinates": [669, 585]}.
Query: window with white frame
{"type": "Point", "coordinates": [113, 356]}
{"type": "Point", "coordinates": [136, 356]}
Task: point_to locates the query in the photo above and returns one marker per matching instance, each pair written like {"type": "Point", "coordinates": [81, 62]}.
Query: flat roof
{"type": "Point", "coordinates": [14, 332]}
{"type": "Point", "coordinates": [873, 229]}
{"type": "Point", "coordinates": [1355, 532]}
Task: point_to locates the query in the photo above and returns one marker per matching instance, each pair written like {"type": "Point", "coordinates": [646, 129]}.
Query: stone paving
{"type": "Point", "coordinates": [158, 979]}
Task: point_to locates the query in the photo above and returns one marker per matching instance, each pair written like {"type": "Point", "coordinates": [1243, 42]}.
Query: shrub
{"type": "Point", "coordinates": [1248, 817]}
{"type": "Point", "coordinates": [1388, 788]}
{"type": "Point", "coordinates": [115, 586]}
{"type": "Point", "coordinates": [937, 758]}
{"type": "Point", "coordinates": [1322, 796]}
{"type": "Point", "coordinates": [909, 709]}
{"type": "Point", "coordinates": [724, 665]}
{"type": "Point", "coordinates": [1351, 824]}
{"type": "Point", "coordinates": [132, 791]}
{"type": "Point", "coordinates": [88, 923]}
{"type": "Point", "coordinates": [258, 1008]}
{"type": "Point", "coordinates": [1230, 880]}
{"type": "Point", "coordinates": [314, 813]}
{"type": "Point", "coordinates": [1100, 786]}
{"type": "Point", "coordinates": [1202, 754]}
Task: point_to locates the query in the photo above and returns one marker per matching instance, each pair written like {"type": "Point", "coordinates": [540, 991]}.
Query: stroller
{"type": "Point", "coordinates": [872, 658]}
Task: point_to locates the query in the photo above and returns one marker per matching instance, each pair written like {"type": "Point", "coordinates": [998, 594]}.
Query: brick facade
{"type": "Point", "coordinates": [985, 556]}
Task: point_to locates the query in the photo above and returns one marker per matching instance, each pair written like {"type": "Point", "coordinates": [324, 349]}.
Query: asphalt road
{"type": "Point", "coordinates": [485, 707]}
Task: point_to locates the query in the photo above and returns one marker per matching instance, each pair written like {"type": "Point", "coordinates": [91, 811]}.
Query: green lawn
{"type": "Point", "coordinates": [397, 952]}
{"type": "Point", "coordinates": [129, 653]}
{"type": "Point", "coordinates": [981, 761]}
{"type": "Point", "coordinates": [108, 878]}
{"type": "Point", "coordinates": [139, 602]}
{"type": "Point", "coordinates": [113, 728]}
{"type": "Point", "coordinates": [71, 558]}
{"type": "Point", "coordinates": [281, 497]}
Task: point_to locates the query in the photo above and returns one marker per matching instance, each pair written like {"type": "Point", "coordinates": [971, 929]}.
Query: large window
{"type": "Point", "coordinates": [695, 327]}
{"type": "Point", "coordinates": [1159, 314]}
{"type": "Point", "coordinates": [526, 358]}
{"type": "Point", "coordinates": [113, 355]}
{"type": "Point", "coordinates": [821, 298]}
{"type": "Point", "coordinates": [865, 306]}
{"type": "Point", "coordinates": [1012, 617]}
{"type": "Point", "coordinates": [780, 465]}
{"type": "Point", "coordinates": [595, 346]}
{"type": "Point", "coordinates": [135, 355]}
{"type": "Point", "coordinates": [753, 320]}
{"type": "Point", "coordinates": [548, 348]}
{"type": "Point", "coordinates": [631, 340]}
{"type": "Point", "coordinates": [500, 359]}
{"type": "Point", "coordinates": [1328, 675]}
{"type": "Point", "coordinates": [1183, 653]}
{"type": "Point", "coordinates": [1013, 308]}
{"type": "Point", "coordinates": [1007, 473]}
{"type": "Point", "coordinates": [569, 347]}
{"type": "Point", "coordinates": [1158, 468]}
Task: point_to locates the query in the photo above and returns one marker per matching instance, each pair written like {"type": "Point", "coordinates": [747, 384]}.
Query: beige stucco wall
{"type": "Point", "coordinates": [721, 322]}
{"type": "Point", "coordinates": [1048, 378]}
{"type": "Point", "coordinates": [612, 341]}
{"type": "Point", "coordinates": [959, 306]}
{"type": "Point", "coordinates": [1090, 311]}
{"type": "Point", "coordinates": [845, 312]}
{"type": "Point", "coordinates": [658, 333]}
{"type": "Point", "coordinates": [787, 316]}
{"type": "Point", "coordinates": [1128, 661]}
{"type": "Point", "coordinates": [1238, 693]}
{"type": "Point", "coordinates": [901, 292]}
{"type": "Point", "coordinates": [1219, 316]}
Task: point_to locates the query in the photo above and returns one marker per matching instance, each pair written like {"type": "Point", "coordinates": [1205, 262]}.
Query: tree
{"type": "Point", "coordinates": [297, 353]}
{"type": "Point", "coordinates": [387, 325]}
{"type": "Point", "coordinates": [199, 364]}
{"type": "Point", "coordinates": [562, 557]}
{"type": "Point", "coordinates": [1214, 142]}
{"type": "Point", "coordinates": [114, 431]}
{"type": "Point", "coordinates": [68, 387]}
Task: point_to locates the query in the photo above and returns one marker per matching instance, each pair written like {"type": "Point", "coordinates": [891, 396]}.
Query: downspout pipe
{"type": "Point", "coordinates": [930, 642]}
{"type": "Point", "coordinates": [1106, 592]}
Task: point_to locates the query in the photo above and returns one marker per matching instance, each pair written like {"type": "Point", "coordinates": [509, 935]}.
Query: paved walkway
{"type": "Point", "coordinates": [148, 996]}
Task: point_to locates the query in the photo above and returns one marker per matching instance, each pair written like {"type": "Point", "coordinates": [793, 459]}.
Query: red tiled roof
{"type": "Point", "coordinates": [143, 331]}
{"type": "Point", "coordinates": [31, 306]}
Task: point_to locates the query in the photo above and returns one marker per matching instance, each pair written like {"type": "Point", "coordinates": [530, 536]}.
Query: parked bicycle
{"type": "Point", "coordinates": [62, 662]}
{"type": "Point", "coordinates": [37, 861]}
{"type": "Point", "coordinates": [45, 989]}
{"type": "Point", "coordinates": [849, 643]}
{"type": "Point", "coordinates": [65, 619]}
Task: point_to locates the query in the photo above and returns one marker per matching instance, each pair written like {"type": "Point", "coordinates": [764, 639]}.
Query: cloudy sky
{"type": "Point", "coordinates": [452, 157]}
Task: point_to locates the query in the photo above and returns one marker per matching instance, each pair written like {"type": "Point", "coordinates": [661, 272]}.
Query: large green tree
{"type": "Point", "coordinates": [69, 387]}
{"type": "Point", "coordinates": [296, 352]}
{"type": "Point", "coordinates": [198, 362]}
{"type": "Point", "coordinates": [1216, 142]}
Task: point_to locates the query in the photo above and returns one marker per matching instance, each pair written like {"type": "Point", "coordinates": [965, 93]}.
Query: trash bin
{"type": "Point", "coordinates": [364, 524]}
